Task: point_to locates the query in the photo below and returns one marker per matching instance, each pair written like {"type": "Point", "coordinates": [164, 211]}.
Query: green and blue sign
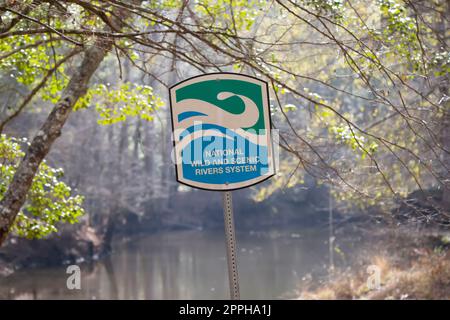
{"type": "Point", "coordinates": [222, 131]}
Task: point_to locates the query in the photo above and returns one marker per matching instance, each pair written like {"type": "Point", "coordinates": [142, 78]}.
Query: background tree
{"type": "Point", "coordinates": [52, 32]}
{"type": "Point", "coordinates": [359, 93]}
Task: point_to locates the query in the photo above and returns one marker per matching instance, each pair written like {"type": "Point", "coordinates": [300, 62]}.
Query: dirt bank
{"type": "Point", "coordinates": [409, 263]}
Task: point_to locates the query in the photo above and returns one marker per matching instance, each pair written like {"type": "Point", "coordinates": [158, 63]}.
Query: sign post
{"type": "Point", "coordinates": [230, 237]}
{"type": "Point", "coordinates": [222, 141]}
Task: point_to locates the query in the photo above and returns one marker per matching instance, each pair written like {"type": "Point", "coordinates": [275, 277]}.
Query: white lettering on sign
{"type": "Point", "coordinates": [220, 170]}
{"type": "Point", "coordinates": [226, 152]}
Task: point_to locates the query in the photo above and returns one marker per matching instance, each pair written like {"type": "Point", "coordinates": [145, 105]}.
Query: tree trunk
{"type": "Point", "coordinates": [149, 164]}
{"type": "Point", "coordinates": [16, 194]}
{"type": "Point", "coordinates": [446, 145]}
{"type": "Point", "coordinates": [109, 234]}
{"type": "Point", "coordinates": [445, 137]}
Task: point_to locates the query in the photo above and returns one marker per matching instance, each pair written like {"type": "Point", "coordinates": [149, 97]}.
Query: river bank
{"type": "Point", "coordinates": [399, 263]}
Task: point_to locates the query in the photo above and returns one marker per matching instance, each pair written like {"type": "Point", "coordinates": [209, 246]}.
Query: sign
{"type": "Point", "coordinates": [221, 125]}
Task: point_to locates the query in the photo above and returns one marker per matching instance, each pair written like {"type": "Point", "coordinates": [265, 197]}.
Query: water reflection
{"type": "Point", "coordinates": [184, 265]}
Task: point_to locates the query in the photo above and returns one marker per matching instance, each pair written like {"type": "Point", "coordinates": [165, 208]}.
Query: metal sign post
{"type": "Point", "coordinates": [230, 237]}
{"type": "Point", "coordinates": [222, 141]}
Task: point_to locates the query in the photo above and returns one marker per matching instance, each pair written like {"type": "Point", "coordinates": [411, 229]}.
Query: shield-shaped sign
{"type": "Point", "coordinates": [221, 131]}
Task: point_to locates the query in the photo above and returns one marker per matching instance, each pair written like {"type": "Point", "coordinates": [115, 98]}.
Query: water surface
{"type": "Point", "coordinates": [185, 265]}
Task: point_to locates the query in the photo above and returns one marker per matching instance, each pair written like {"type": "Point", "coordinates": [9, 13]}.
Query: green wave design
{"type": "Point", "coordinates": [208, 91]}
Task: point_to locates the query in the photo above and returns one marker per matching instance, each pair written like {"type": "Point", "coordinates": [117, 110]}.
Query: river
{"type": "Point", "coordinates": [185, 265]}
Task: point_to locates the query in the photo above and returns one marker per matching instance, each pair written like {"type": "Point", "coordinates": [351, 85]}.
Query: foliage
{"type": "Point", "coordinates": [42, 42]}
{"type": "Point", "coordinates": [116, 105]}
{"type": "Point", "coordinates": [359, 88]}
{"type": "Point", "coordinates": [228, 14]}
{"type": "Point", "coordinates": [367, 86]}
{"type": "Point", "coordinates": [49, 201]}
{"type": "Point", "coordinates": [27, 57]}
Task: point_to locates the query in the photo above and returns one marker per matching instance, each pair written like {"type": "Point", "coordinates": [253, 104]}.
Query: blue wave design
{"type": "Point", "coordinates": [189, 114]}
{"type": "Point", "coordinates": [207, 126]}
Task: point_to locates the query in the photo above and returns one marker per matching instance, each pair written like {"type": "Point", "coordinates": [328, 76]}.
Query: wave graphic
{"type": "Point", "coordinates": [205, 112]}
{"type": "Point", "coordinates": [209, 130]}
